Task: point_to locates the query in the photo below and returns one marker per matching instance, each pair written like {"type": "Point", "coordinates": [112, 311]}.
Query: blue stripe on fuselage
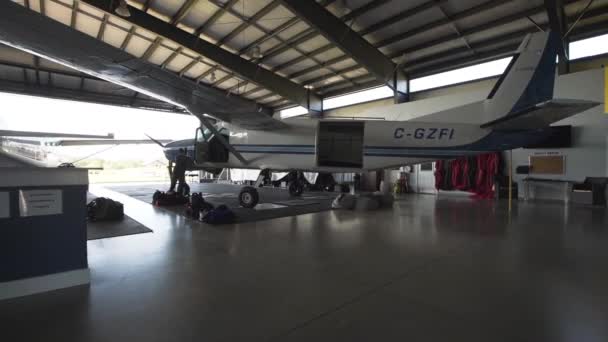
{"type": "Point", "coordinates": [494, 141]}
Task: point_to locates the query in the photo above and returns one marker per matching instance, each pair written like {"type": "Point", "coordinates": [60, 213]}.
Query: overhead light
{"type": "Point", "coordinates": [256, 52]}
{"type": "Point", "coordinates": [122, 9]}
{"type": "Point", "coordinates": [309, 86]}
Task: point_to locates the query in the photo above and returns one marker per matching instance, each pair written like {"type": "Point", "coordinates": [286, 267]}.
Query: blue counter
{"type": "Point", "coordinates": [43, 237]}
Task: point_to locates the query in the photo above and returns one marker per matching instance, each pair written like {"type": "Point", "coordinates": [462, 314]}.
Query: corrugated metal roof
{"type": "Point", "coordinates": [420, 36]}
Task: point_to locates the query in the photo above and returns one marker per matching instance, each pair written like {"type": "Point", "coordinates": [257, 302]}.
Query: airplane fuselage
{"type": "Point", "coordinates": [306, 145]}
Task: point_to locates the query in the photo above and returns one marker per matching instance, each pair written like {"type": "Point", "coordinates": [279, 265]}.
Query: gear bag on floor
{"type": "Point", "coordinates": [161, 198]}
{"type": "Point", "coordinates": [105, 209]}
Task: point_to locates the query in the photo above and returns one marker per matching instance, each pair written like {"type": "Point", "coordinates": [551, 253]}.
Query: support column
{"type": "Point", "coordinates": [401, 87]}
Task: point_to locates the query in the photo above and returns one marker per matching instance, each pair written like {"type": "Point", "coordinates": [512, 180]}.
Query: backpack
{"type": "Point", "coordinates": [161, 198]}
{"type": "Point", "coordinates": [221, 214]}
{"type": "Point", "coordinates": [198, 205]}
{"type": "Point", "coordinates": [105, 209]}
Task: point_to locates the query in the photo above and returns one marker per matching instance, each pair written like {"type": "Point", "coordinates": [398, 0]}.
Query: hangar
{"type": "Point", "coordinates": [361, 169]}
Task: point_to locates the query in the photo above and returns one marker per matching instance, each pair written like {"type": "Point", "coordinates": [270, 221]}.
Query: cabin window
{"type": "Point", "coordinates": [340, 144]}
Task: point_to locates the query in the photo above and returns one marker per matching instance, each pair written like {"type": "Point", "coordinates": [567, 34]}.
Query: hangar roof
{"type": "Point", "coordinates": [286, 51]}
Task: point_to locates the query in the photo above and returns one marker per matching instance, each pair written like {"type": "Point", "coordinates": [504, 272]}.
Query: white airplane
{"type": "Point", "coordinates": [37, 149]}
{"type": "Point", "coordinates": [33, 148]}
{"type": "Point", "coordinates": [516, 113]}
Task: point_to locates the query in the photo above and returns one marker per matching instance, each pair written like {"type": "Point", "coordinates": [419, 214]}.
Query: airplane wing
{"type": "Point", "coordinates": [52, 40]}
{"type": "Point", "coordinates": [7, 133]}
{"type": "Point", "coordinates": [91, 142]}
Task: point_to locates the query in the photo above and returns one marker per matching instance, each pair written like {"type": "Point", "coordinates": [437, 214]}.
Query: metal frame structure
{"type": "Point", "coordinates": [281, 53]}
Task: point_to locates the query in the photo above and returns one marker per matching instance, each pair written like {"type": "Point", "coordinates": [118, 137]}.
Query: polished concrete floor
{"type": "Point", "coordinates": [431, 269]}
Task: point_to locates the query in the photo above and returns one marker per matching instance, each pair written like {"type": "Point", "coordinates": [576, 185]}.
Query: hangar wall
{"type": "Point", "coordinates": [588, 155]}
{"type": "Point", "coordinates": [478, 89]}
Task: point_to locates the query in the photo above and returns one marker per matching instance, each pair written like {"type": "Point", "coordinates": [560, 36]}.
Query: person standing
{"type": "Point", "coordinates": [182, 162]}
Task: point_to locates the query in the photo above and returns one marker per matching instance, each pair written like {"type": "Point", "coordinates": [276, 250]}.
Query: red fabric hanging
{"type": "Point", "coordinates": [486, 173]}
{"type": "Point", "coordinates": [438, 174]}
{"type": "Point", "coordinates": [458, 173]}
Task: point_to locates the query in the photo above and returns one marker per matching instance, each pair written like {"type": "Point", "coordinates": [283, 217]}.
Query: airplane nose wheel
{"type": "Point", "coordinates": [296, 188]}
{"type": "Point", "coordinates": [248, 197]}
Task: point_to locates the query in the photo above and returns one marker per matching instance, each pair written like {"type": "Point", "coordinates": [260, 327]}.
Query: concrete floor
{"type": "Point", "coordinates": [432, 269]}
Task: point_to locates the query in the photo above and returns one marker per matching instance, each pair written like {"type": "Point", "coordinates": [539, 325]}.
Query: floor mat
{"type": "Point", "coordinates": [274, 202]}
{"type": "Point", "coordinates": [107, 229]}
{"type": "Point", "coordinates": [103, 230]}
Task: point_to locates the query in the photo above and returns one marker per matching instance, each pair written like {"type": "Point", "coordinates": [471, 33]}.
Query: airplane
{"type": "Point", "coordinates": [517, 112]}
{"type": "Point", "coordinates": [32, 148]}
{"type": "Point", "coordinates": [36, 149]}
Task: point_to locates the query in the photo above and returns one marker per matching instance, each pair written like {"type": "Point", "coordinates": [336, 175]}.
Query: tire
{"type": "Point", "coordinates": [248, 197]}
{"type": "Point", "coordinates": [295, 189]}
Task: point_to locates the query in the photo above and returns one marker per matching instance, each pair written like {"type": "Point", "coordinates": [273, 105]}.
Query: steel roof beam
{"type": "Point", "coordinates": [182, 12]}
{"type": "Point", "coordinates": [465, 33]}
{"type": "Point", "coordinates": [84, 96]}
{"type": "Point", "coordinates": [401, 16]}
{"type": "Point", "coordinates": [252, 72]}
{"type": "Point", "coordinates": [102, 27]}
{"type": "Point", "coordinates": [421, 66]}
{"type": "Point", "coordinates": [445, 21]}
{"type": "Point", "coordinates": [424, 28]}
{"type": "Point", "coordinates": [394, 19]}
{"type": "Point", "coordinates": [312, 33]}
{"type": "Point", "coordinates": [353, 44]}
{"type": "Point", "coordinates": [557, 23]}
{"type": "Point", "coordinates": [253, 21]}
{"type": "Point", "coordinates": [215, 17]}
{"type": "Point", "coordinates": [248, 22]}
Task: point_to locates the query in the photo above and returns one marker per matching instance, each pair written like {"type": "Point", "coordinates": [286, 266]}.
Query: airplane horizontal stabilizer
{"type": "Point", "coordinates": [541, 115]}
{"type": "Point", "coordinates": [91, 142]}
{"type": "Point", "coordinates": [7, 133]}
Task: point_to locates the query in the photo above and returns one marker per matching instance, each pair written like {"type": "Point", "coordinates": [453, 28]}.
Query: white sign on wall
{"type": "Point", "coordinates": [4, 205]}
{"type": "Point", "coordinates": [40, 202]}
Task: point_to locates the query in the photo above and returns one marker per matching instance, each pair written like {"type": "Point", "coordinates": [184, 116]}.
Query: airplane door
{"type": "Point", "coordinates": [218, 153]}
{"type": "Point", "coordinates": [209, 148]}
{"type": "Point", "coordinates": [340, 144]}
{"type": "Point", "coordinates": [201, 147]}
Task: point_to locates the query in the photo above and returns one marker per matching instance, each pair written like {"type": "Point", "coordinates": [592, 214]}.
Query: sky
{"type": "Point", "coordinates": [29, 113]}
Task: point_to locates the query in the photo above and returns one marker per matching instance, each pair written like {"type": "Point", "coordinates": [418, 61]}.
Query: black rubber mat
{"type": "Point", "coordinates": [108, 229]}
{"type": "Point", "coordinates": [227, 194]}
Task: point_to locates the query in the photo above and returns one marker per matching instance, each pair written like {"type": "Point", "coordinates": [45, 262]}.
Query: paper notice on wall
{"type": "Point", "coordinates": [40, 202]}
{"type": "Point", "coordinates": [5, 205]}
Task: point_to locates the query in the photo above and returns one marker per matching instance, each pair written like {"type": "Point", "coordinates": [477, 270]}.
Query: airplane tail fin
{"type": "Point", "coordinates": [527, 81]}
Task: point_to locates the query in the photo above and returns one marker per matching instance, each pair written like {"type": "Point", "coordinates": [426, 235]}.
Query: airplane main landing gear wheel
{"type": "Point", "coordinates": [248, 197]}
{"type": "Point", "coordinates": [296, 188]}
